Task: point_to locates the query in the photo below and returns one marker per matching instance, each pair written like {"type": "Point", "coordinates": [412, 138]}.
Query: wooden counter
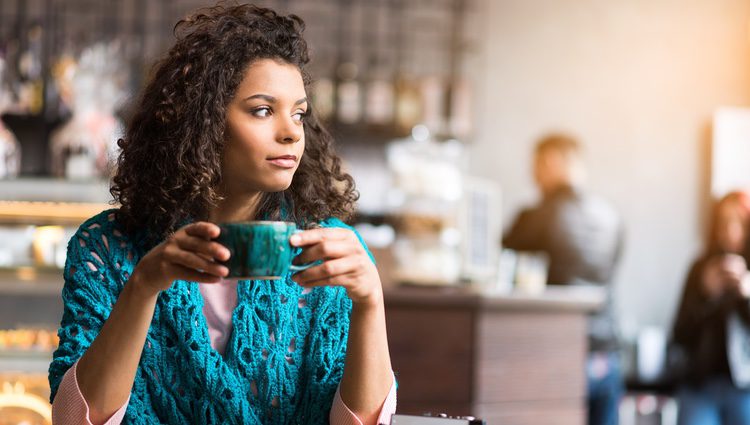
{"type": "Point", "coordinates": [509, 359]}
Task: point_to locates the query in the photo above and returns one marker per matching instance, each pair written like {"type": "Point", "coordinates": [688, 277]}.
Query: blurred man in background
{"type": "Point", "coordinates": [582, 237]}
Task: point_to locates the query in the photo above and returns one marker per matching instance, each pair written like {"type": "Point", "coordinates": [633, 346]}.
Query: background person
{"type": "Point", "coordinates": [715, 306]}
{"type": "Point", "coordinates": [582, 237]}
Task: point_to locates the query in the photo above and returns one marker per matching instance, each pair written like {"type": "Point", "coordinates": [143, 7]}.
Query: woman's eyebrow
{"type": "Point", "coordinates": [271, 99]}
{"type": "Point", "coordinates": [265, 97]}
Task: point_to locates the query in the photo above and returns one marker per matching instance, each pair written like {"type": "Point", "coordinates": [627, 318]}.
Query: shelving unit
{"type": "Point", "coordinates": [30, 294]}
{"type": "Point", "coordinates": [397, 41]}
{"type": "Point", "coordinates": [43, 202]}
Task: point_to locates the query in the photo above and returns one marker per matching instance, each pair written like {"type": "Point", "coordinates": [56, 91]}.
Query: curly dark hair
{"type": "Point", "coordinates": [169, 168]}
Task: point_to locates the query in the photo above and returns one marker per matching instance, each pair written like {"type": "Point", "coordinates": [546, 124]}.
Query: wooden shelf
{"type": "Point", "coordinates": [55, 190]}
{"type": "Point", "coordinates": [25, 361]}
{"type": "Point", "coordinates": [31, 281]}
{"type": "Point", "coordinates": [52, 201]}
{"type": "Point", "coordinates": [36, 212]}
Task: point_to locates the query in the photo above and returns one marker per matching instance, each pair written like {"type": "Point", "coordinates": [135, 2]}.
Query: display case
{"type": "Point", "coordinates": [37, 217]}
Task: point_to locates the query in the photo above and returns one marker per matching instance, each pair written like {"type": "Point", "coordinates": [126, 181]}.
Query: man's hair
{"type": "Point", "coordinates": [562, 143]}
{"type": "Point", "coordinates": [169, 169]}
{"type": "Point", "coordinates": [570, 168]}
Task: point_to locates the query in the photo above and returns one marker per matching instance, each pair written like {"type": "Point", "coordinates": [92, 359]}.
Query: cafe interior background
{"type": "Point", "coordinates": [436, 106]}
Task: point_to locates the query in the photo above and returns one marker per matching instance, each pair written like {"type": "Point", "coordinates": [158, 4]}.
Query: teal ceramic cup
{"type": "Point", "coordinates": [259, 249]}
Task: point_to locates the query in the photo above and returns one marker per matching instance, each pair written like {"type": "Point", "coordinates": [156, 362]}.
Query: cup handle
{"type": "Point", "coordinates": [294, 268]}
{"type": "Point", "coordinates": [298, 268]}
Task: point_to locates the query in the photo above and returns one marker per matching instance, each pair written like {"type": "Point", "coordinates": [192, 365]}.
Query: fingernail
{"type": "Point", "coordinates": [295, 239]}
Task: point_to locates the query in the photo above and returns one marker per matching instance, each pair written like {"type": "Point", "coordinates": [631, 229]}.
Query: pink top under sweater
{"type": "Point", "coordinates": [69, 406]}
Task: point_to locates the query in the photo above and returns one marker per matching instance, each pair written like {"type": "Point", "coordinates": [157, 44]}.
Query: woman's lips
{"type": "Point", "coordinates": [286, 161]}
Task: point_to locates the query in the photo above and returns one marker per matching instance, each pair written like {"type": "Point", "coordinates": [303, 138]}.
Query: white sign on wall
{"type": "Point", "coordinates": [730, 162]}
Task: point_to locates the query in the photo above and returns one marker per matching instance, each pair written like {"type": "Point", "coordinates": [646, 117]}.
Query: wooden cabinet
{"type": "Point", "coordinates": [510, 359]}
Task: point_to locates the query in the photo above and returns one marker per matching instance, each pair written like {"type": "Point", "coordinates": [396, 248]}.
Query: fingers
{"type": "Point", "coordinates": [313, 236]}
{"type": "Point", "coordinates": [203, 247]}
{"type": "Point", "coordinates": [330, 249]}
{"type": "Point", "coordinates": [194, 261]}
{"type": "Point", "coordinates": [328, 272]}
{"type": "Point", "coordinates": [733, 279]}
{"type": "Point", "coordinates": [203, 230]}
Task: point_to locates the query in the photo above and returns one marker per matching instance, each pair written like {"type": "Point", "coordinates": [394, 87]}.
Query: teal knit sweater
{"type": "Point", "coordinates": [283, 361]}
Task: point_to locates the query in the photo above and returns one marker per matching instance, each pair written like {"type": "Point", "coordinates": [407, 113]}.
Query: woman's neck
{"type": "Point", "coordinates": [235, 208]}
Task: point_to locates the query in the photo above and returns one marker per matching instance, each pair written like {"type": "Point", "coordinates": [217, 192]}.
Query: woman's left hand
{"type": "Point", "coordinates": [345, 263]}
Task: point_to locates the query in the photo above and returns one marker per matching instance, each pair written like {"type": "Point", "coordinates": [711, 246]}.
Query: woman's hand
{"type": "Point", "coordinates": [725, 273]}
{"type": "Point", "coordinates": [188, 254]}
{"type": "Point", "coordinates": [345, 263]}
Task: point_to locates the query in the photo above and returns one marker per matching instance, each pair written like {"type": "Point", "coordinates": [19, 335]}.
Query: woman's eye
{"type": "Point", "coordinates": [300, 116]}
{"type": "Point", "coordinates": [261, 112]}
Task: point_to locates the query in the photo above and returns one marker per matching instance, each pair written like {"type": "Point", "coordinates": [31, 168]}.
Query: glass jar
{"type": "Point", "coordinates": [10, 153]}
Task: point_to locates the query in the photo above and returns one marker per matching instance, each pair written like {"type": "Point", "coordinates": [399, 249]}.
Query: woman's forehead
{"type": "Point", "coordinates": [274, 78]}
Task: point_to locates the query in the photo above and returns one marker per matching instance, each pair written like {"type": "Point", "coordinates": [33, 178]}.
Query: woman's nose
{"type": "Point", "coordinates": [290, 131]}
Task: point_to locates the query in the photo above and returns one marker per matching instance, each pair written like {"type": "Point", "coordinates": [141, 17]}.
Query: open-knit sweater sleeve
{"type": "Point", "coordinates": [92, 285]}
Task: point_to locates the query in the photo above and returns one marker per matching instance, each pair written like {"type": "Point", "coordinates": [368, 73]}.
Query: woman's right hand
{"type": "Point", "coordinates": [722, 273]}
{"type": "Point", "coordinates": [188, 254]}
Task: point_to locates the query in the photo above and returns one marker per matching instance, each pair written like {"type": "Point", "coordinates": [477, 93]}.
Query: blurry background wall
{"type": "Point", "coordinates": [637, 81]}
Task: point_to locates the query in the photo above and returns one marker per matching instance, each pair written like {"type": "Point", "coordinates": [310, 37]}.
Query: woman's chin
{"type": "Point", "coordinates": [277, 186]}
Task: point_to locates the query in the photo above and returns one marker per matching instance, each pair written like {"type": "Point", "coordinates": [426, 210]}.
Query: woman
{"type": "Point", "coordinates": [223, 133]}
{"type": "Point", "coordinates": [714, 309]}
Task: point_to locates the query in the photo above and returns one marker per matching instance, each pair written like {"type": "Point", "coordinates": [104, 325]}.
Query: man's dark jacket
{"type": "Point", "coordinates": [583, 237]}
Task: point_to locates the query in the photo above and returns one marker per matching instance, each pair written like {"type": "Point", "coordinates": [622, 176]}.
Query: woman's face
{"type": "Point", "coordinates": [265, 135]}
{"type": "Point", "coordinates": [731, 229]}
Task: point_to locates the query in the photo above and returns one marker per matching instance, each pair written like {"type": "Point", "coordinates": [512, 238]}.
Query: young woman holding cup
{"type": "Point", "coordinates": [223, 133]}
{"type": "Point", "coordinates": [712, 317]}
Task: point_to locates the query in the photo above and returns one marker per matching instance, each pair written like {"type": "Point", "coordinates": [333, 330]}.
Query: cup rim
{"type": "Point", "coordinates": [258, 222]}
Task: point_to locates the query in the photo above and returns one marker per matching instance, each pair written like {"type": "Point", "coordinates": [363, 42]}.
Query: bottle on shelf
{"type": "Point", "coordinates": [10, 153]}
{"type": "Point", "coordinates": [432, 94]}
{"type": "Point", "coordinates": [379, 89]}
{"type": "Point", "coordinates": [460, 108]}
{"type": "Point", "coordinates": [323, 98]}
{"type": "Point", "coordinates": [379, 97]}
{"type": "Point", "coordinates": [10, 149]}
{"type": "Point", "coordinates": [348, 94]}
{"type": "Point", "coordinates": [30, 89]}
{"type": "Point", "coordinates": [408, 108]}
{"type": "Point", "coordinates": [85, 146]}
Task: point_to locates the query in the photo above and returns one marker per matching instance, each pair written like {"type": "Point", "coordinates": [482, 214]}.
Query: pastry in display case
{"type": "Point", "coordinates": [25, 340]}
{"type": "Point", "coordinates": [425, 207]}
{"type": "Point", "coordinates": [447, 221]}
{"type": "Point", "coordinates": [24, 399]}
